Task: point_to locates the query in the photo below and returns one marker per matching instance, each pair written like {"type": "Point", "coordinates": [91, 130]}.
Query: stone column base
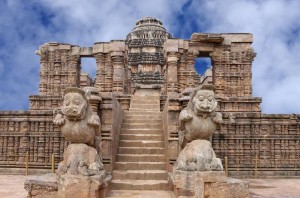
{"type": "Point", "coordinates": [208, 184]}
{"type": "Point", "coordinates": [68, 186]}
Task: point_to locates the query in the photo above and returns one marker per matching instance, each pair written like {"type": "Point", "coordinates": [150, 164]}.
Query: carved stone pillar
{"type": "Point", "coordinates": [118, 71]}
{"type": "Point", "coordinates": [100, 72]}
{"type": "Point", "coordinates": [181, 71]}
{"type": "Point", "coordinates": [43, 53]}
{"type": "Point", "coordinates": [190, 69]}
{"type": "Point", "coordinates": [74, 73]}
{"type": "Point", "coordinates": [172, 81]}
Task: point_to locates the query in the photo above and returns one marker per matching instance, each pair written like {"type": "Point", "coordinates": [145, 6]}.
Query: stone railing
{"type": "Point", "coordinates": [170, 115]}
{"type": "Point", "coordinates": [111, 116]}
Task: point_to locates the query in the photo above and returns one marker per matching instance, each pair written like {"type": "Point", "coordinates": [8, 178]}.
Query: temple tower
{"type": "Point", "coordinates": [145, 55]}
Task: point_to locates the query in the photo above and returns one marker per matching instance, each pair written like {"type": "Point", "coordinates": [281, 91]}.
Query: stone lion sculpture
{"type": "Point", "coordinates": [199, 119]}
{"type": "Point", "coordinates": [197, 122]}
{"type": "Point", "coordinates": [81, 127]}
{"type": "Point", "coordinates": [77, 122]}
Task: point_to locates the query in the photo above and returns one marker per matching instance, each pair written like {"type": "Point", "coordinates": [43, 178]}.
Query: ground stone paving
{"type": "Point", "coordinates": [12, 186]}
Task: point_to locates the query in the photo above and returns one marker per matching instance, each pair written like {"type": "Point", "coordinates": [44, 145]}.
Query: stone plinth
{"type": "Point", "coordinates": [233, 188]}
{"type": "Point", "coordinates": [44, 186]}
{"type": "Point", "coordinates": [208, 184]}
{"type": "Point", "coordinates": [80, 186]}
{"type": "Point", "coordinates": [67, 185]}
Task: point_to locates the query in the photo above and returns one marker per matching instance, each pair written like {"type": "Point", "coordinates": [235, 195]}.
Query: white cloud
{"type": "Point", "coordinates": [274, 23]}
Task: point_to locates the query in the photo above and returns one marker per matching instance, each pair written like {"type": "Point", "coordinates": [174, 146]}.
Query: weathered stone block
{"type": "Point", "coordinates": [80, 186]}
{"type": "Point", "coordinates": [171, 45]}
{"type": "Point", "coordinates": [44, 186]}
{"type": "Point", "coordinates": [212, 184]}
{"type": "Point", "coordinates": [233, 188]}
{"type": "Point", "coordinates": [65, 186]}
{"type": "Point", "coordinates": [212, 176]}
{"type": "Point", "coordinates": [210, 38]}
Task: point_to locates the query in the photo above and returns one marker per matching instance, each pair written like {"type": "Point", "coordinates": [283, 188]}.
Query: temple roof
{"type": "Point", "coordinates": [148, 28]}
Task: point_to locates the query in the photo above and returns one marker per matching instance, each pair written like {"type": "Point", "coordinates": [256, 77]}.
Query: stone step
{"type": "Point", "coordinates": [140, 166]}
{"type": "Point", "coordinates": [141, 121]}
{"type": "Point", "coordinates": [141, 131]}
{"type": "Point", "coordinates": [140, 185]}
{"type": "Point", "coordinates": [141, 143]}
{"type": "Point", "coordinates": [143, 117]}
{"type": "Point", "coordinates": [140, 193]}
{"type": "Point", "coordinates": [140, 174]}
{"type": "Point", "coordinates": [142, 126]}
{"type": "Point", "coordinates": [141, 150]}
{"type": "Point", "coordinates": [158, 137]}
{"type": "Point", "coordinates": [137, 101]}
{"type": "Point", "coordinates": [146, 98]}
{"type": "Point", "coordinates": [142, 113]}
{"type": "Point", "coordinates": [141, 158]}
{"type": "Point", "coordinates": [145, 106]}
{"type": "Point", "coordinates": [143, 110]}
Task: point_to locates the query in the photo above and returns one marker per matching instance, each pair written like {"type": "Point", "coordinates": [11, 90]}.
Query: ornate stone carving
{"type": "Point", "coordinates": [197, 122]}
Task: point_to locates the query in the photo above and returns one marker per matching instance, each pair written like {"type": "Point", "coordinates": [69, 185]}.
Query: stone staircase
{"type": "Point", "coordinates": [140, 161]}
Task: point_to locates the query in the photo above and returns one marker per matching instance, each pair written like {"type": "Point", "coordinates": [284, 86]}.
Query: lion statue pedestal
{"type": "Point", "coordinates": [197, 171]}
{"type": "Point", "coordinates": [81, 172]}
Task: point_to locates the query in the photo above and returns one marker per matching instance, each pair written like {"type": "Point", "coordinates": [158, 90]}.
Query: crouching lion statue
{"type": "Point", "coordinates": [197, 123]}
{"type": "Point", "coordinates": [81, 126]}
{"type": "Point", "coordinates": [77, 122]}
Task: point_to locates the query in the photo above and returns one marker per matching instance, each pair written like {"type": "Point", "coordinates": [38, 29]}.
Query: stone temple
{"type": "Point", "coordinates": [142, 84]}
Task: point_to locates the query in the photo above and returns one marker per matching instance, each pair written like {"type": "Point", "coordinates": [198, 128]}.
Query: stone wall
{"type": "Point", "coordinates": [32, 132]}
{"type": "Point", "coordinates": [273, 138]}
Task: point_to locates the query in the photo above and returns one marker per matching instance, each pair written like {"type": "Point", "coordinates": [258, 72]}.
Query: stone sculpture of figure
{"type": "Point", "coordinates": [199, 119]}
{"type": "Point", "coordinates": [197, 123]}
{"type": "Point", "coordinates": [77, 121]}
{"type": "Point", "coordinates": [81, 127]}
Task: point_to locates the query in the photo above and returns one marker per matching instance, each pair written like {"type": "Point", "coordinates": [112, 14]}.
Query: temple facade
{"type": "Point", "coordinates": [150, 63]}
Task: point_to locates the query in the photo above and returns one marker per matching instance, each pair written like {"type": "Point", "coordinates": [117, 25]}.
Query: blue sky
{"type": "Point", "coordinates": [275, 24]}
